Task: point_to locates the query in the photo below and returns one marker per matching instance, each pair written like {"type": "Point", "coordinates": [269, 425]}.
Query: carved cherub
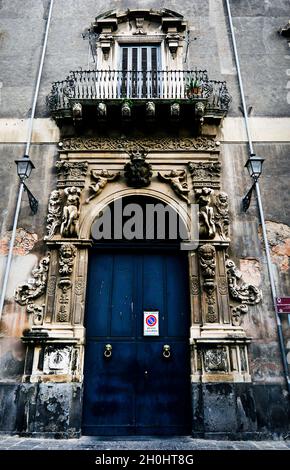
{"type": "Point", "coordinates": [101, 177]}
{"type": "Point", "coordinates": [177, 180]}
{"type": "Point", "coordinates": [206, 213]}
{"type": "Point", "coordinates": [70, 215]}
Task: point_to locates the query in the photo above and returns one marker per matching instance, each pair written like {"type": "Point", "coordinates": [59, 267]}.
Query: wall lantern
{"type": "Point", "coordinates": [24, 169]}
{"type": "Point", "coordinates": [254, 166]}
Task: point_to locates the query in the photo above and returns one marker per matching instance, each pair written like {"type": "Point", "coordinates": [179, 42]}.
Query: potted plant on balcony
{"type": "Point", "coordinates": [193, 88]}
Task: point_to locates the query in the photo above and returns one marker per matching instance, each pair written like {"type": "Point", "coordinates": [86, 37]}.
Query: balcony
{"type": "Point", "coordinates": [127, 94]}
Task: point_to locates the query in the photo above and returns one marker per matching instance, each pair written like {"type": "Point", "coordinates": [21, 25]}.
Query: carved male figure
{"type": "Point", "coordinates": [177, 180]}
{"type": "Point", "coordinates": [206, 213]}
{"type": "Point", "coordinates": [102, 177]}
{"type": "Point", "coordinates": [70, 215]}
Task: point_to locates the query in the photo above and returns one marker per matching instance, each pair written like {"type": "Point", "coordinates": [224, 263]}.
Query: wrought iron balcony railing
{"type": "Point", "coordinates": [98, 85]}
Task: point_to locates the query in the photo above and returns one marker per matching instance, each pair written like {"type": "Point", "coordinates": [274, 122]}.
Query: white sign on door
{"type": "Point", "coordinates": [151, 323]}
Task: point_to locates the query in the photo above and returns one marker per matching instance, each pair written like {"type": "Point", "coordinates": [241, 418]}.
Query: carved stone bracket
{"type": "Point", "coordinates": [207, 261]}
{"type": "Point", "coordinates": [35, 287]}
{"type": "Point", "coordinates": [177, 181]}
{"type": "Point", "coordinates": [101, 180]}
{"type": "Point", "coordinates": [138, 172]}
{"type": "Point", "coordinates": [205, 174]}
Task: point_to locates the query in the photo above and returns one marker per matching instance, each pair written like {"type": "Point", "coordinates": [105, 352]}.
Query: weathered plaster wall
{"type": "Point", "coordinates": [264, 54]}
{"type": "Point", "coordinates": [28, 246]}
{"type": "Point", "coordinates": [264, 59]}
{"type": "Point", "coordinates": [247, 248]}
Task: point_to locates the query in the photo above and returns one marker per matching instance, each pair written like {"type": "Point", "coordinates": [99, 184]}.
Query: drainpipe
{"type": "Point", "coordinates": [27, 148]}
{"type": "Point", "coordinates": [259, 201]}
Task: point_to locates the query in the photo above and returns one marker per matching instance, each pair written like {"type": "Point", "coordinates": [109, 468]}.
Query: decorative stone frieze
{"type": "Point", "coordinates": [205, 174]}
{"type": "Point", "coordinates": [71, 173]}
{"type": "Point", "coordinates": [200, 144]}
{"type": "Point", "coordinates": [138, 172]}
{"type": "Point", "coordinates": [177, 181]}
{"type": "Point", "coordinates": [101, 178]}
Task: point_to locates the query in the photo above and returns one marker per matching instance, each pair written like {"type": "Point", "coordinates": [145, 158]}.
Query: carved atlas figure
{"type": "Point", "coordinates": [206, 213]}
{"type": "Point", "coordinates": [70, 215]}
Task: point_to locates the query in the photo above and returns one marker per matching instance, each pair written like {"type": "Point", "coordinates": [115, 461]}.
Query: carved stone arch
{"type": "Point", "coordinates": [87, 221]}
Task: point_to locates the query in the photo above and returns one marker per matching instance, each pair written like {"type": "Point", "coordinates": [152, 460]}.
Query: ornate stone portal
{"type": "Point", "coordinates": [55, 298]}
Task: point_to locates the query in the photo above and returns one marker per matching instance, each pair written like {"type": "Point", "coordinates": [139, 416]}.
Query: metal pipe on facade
{"type": "Point", "coordinates": [259, 201]}
{"type": "Point", "coordinates": [27, 148]}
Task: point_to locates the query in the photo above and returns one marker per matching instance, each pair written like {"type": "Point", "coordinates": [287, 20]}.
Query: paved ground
{"type": "Point", "coordinates": [95, 443]}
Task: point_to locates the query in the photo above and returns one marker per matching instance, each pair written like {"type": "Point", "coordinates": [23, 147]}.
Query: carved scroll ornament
{"type": "Point", "coordinates": [240, 290]}
{"type": "Point", "coordinates": [34, 288]}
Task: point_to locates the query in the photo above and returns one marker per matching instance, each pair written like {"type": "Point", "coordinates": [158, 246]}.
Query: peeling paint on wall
{"type": "Point", "coordinates": [279, 241]}
{"type": "Point", "coordinates": [24, 242]}
{"type": "Point", "coordinates": [251, 271]}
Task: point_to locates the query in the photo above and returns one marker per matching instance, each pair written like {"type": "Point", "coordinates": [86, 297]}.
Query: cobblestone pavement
{"type": "Point", "coordinates": [142, 443]}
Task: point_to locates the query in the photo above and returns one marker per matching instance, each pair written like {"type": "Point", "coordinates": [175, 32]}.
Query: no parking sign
{"type": "Point", "coordinates": [151, 323]}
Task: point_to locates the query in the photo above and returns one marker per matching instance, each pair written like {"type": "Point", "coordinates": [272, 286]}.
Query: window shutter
{"type": "Point", "coordinates": [125, 58]}
{"type": "Point", "coordinates": [154, 58]}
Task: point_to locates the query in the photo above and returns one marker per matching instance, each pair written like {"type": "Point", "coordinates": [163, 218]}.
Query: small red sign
{"type": "Point", "coordinates": [283, 301]}
{"type": "Point", "coordinates": [283, 308]}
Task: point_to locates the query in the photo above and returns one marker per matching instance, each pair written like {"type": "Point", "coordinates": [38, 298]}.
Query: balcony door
{"type": "Point", "coordinates": [139, 67]}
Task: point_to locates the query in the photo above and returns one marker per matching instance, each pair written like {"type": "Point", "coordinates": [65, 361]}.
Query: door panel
{"type": "Point", "coordinates": [109, 394]}
{"type": "Point", "coordinates": [162, 399]}
{"type": "Point", "coordinates": [137, 390]}
{"type": "Point", "coordinates": [122, 296]}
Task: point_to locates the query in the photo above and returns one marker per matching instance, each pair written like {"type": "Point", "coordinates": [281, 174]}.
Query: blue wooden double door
{"type": "Point", "coordinates": [134, 384]}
